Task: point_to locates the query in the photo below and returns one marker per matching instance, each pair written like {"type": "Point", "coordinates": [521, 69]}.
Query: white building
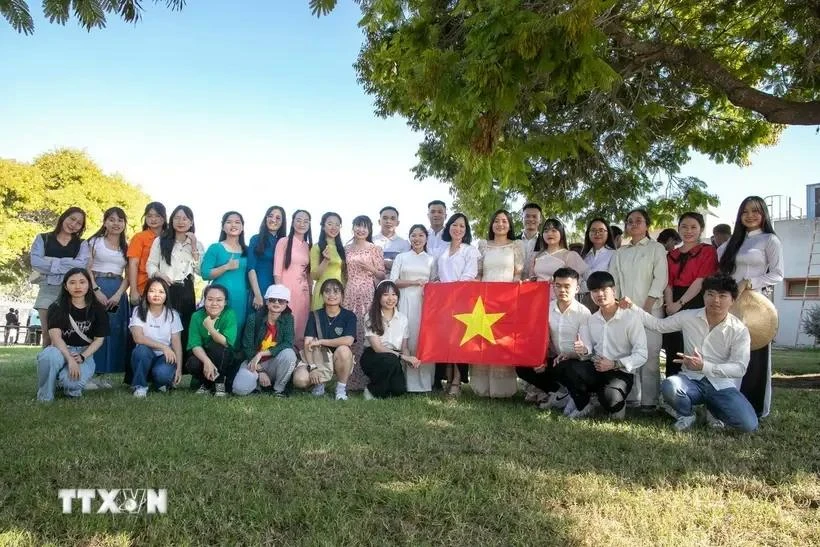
{"type": "Point", "coordinates": [800, 235]}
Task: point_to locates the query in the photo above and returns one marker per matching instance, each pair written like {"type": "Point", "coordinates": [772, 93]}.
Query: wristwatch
{"type": "Point", "coordinates": [97, 288]}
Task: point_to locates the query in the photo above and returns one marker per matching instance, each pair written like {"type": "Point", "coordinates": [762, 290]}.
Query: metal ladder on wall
{"type": "Point", "coordinates": [811, 283]}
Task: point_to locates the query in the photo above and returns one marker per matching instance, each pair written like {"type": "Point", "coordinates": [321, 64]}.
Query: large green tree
{"type": "Point", "coordinates": [588, 106]}
{"type": "Point", "coordinates": [34, 195]}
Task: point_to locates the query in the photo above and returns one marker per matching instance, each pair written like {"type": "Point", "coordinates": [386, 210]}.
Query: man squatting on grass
{"type": "Point", "coordinates": [569, 338]}
{"type": "Point", "coordinates": [717, 347]}
{"type": "Point", "coordinates": [619, 349]}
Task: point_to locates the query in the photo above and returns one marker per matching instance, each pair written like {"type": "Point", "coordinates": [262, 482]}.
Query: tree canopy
{"type": "Point", "coordinates": [34, 195]}
{"type": "Point", "coordinates": [590, 106]}
{"type": "Point", "coordinates": [90, 14]}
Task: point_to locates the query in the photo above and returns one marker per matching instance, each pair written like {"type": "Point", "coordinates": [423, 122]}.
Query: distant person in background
{"type": "Point", "coordinates": [12, 323]}
{"type": "Point", "coordinates": [77, 324]}
{"type": "Point", "coordinates": [753, 256]}
{"type": "Point", "coordinates": [261, 251]}
{"type": "Point", "coordinates": [617, 236]}
{"type": "Point", "coordinates": [107, 252]}
{"type": "Point", "coordinates": [156, 328]}
{"type": "Point", "coordinates": [721, 234]}
{"type": "Point", "coordinates": [34, 333]}
{"type": "Point", "coordinates": [327, 257]}
{"type": "Point", "coordinates": [291, 268]}
{"type": "Point", "coordinates": [227, 262]}
{"type": "Point", "coordinates": [155, 220]}
{"type": "Point", "coordinates": [576, 247]}
{"type": "Point", "coordinates": [436, 214]}
{"type": "Point", "coordinates": [175, 257]}
{"type": "Point", "coordinates": [52, 255]}
{"type": "Point", "coordinates": [387, 239]}
{"type": "Point", "coordinates": [532, 215]}
{"type": "Point", "coordinates": [669, 238]}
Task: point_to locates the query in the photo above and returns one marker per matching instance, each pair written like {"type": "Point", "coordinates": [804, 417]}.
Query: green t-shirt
{"type": "Point", "coordinates": [198, 335]}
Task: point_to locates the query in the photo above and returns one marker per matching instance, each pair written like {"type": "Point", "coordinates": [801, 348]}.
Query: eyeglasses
{"type": "Point", "coordinates": [599, 231]}
{"type": "Point", "coordinates": [277, 301]}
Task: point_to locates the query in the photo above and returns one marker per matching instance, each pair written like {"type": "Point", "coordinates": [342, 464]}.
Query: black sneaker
{"type": "Point", "coordinates": [219, 390]}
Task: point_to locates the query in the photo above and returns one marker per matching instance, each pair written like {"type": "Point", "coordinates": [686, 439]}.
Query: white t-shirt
{"type": "Point", "coordinates": [395, 331]}
{"type": "Point", "coordinates": [105, 260]}
{"type": "Point", "coordinates": [159, 329]}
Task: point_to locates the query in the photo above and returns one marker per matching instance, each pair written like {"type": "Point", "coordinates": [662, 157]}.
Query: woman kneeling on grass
{"type": "Point", "coordinates": [157, 329]}
{"type": "Point", "coordinates": [267, 346]}
{"type": "Point", "coordinates": [385, 345]}
{"type": "Point", "coordinates": [77, 326]}
{"type": "Point", "coordinates": [211, 339]}
{"type": "Point", "coordinates": [329, 333]}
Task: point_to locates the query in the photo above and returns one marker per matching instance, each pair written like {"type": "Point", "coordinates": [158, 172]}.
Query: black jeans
{"type": "Point", "coordinates": [548, 381]}
{"type": "Point", "coordinates": [182, 298]}
{"type": "Point", "coordinates": [753, 386]}
{"type": "Point", "coordinates": [673, 341]}
{"type": "Point", "coordinates": [222, 358]}
{"type": "Point", "coordinates": [612, 386]}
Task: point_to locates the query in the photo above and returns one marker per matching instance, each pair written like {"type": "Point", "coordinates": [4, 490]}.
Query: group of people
{"type": "Point", "coordinates": [282, 313]}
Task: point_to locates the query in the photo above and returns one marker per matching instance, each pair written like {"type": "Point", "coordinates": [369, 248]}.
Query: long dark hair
{"type": "Point", "coordinates": [64, 299]}
{"type": "Point", "coordinates": [142, 310]}
{"type": "Point", "coordinates": [364, 220]}
{"type": "Point", "coordinates": [67, 213]}
{"type": "Point", "coordinates": [340, 248]}
{"type": "Point", "coordinates": [223, 235]}
{"type": "Point", "coordinates": [727, 261]}
{"type": "Point", "coordinates": [610, 242]}
{"type": "Point", "coordinates": [308, 239]}
{"type": "Point", "coordinates": [375, 312]}
{"type": "Point", "coordinates": [262, 238]}
{"type": "Point", "coordinates": [510, 232]}
{"type": "Point", "coordinates": [160, 209]}
{"type": "Point", "coordinates": [101, 232]}
{"type": "Point", "coordinates": [540, 244]}
{"type": "Point", "coordinates": [169, 235]}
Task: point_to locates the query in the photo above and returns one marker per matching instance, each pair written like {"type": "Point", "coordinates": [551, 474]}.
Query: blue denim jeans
{"type": "Point", "coordinates": [53, 369]}
{"type": "Point", "coordinates": [143, 361]}
{"type": "Point", "coordinates": [727, 405]}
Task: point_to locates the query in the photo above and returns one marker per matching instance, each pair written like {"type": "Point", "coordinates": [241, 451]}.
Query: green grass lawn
{"type": "Point", "coordinates": [418, 470]}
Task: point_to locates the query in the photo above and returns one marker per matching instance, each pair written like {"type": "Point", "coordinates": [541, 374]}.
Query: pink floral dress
{"type": "Point", "coordinates": [361, 284]}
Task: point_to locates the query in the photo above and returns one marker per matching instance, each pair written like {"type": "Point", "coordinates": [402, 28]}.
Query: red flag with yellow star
{"type": "Point", "coordinates": [485, 323]}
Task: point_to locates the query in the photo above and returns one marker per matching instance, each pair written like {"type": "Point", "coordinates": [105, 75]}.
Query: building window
{"type": "Point", "coordinates": [797, 288]}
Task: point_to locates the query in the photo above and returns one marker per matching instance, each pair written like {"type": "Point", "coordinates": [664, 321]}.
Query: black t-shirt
{"type": "Point", "coordinates": [11, 319]}
{"type": "Point", "coordinates": [92, 322]}
{"type": "Point", "coordinates": [53, 249]}
{"type": "Point", "coordinates": [342, 325]}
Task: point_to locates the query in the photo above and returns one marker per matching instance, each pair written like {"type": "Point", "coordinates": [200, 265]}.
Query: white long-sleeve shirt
{"type": "Point", "coordinates": [759, 259]}
{"type": "Point", "coordinates": [640, 271]}
{"type": "Point", "coordinates": [462, 266]}
{"type": "Point", "coordinates": [564, 327]}
{"type": "Point", "coordinates": [621, 339]}
{"type": "Point", "coordinates": [725, 348]}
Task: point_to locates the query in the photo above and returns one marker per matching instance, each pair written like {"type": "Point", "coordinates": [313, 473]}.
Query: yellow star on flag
{"type": "Point", "coordinates": [479, 323]}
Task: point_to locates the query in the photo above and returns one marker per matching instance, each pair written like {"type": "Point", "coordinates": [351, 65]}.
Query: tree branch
{"type": "Point", "coordinates": [704, 67]}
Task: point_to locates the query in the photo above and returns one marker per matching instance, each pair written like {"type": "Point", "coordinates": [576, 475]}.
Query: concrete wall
{"type": "Point", "coordinates": [796, 236]}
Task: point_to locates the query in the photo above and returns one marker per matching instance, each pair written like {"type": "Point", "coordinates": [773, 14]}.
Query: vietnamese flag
{"type": "Point", "coordinates": [485, 323]}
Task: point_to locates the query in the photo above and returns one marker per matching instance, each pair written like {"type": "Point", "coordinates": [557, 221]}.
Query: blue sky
{"type": "Point", "coordinates": [238, 108]}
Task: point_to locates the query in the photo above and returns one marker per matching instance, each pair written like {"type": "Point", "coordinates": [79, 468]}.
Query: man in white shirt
{"type": "Point", "coordinates": [532, 215]}
{"type": "Point", "coordinates": [569, 336]}
{"type": "Point", "coordinates": [619, 348]}
{"type": "Point", "coordinates": [717, 346]}
{"type": "Point", "coordinates": [390, 242]}
{"type": "Point", "coordinates": [436, 214]}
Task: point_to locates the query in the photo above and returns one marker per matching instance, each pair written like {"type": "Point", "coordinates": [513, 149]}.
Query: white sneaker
{"type": "Point", "coordinates": [583, 413]}
{"type": "Point", "coordinates": [163, 389]}
{"type": "Point", "coordinates": [141, 392]}
{"type": "Point", "coordinates": [684, 422]}
{"type": "Point", "coordinates": [367, 395]}
{"type": "Point", "coordinates": [570, 408]}
{"type": "Point", "coordinates": [341, 396]}
{"type": "Point", "coordinates": [103, 383]}
{"type": "Point", "coordinates": [559, 399]}
{"type": "Point", "coordinates": [203, 391]}
{"type": "Point", "coordinates": [318, 390]}
{"type": "Point", "coordinates": [91, 385]}
{"type": "Point", "coordinates": [713, 422]}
